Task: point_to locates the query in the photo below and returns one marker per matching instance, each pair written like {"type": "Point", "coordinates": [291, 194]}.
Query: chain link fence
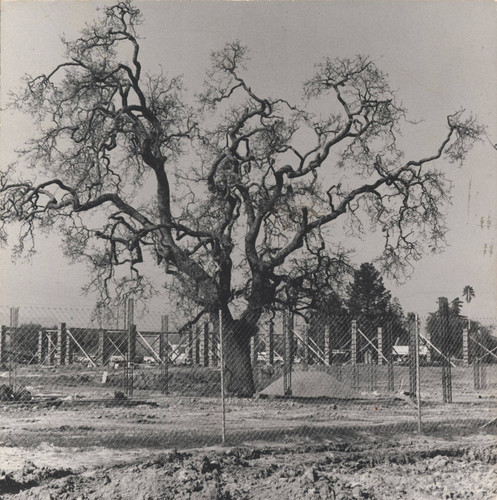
{"type": "Point", "coordinates": [142, 379]}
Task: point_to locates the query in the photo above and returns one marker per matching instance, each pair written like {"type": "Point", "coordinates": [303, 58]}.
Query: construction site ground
{"type": "Point", "coordinates": [82, 442]}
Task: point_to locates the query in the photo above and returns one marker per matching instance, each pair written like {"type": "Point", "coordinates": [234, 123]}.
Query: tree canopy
{"type": "Point", "coordinates": [228, 192]}
{"type": "Point", "coordinates": [367, 295]}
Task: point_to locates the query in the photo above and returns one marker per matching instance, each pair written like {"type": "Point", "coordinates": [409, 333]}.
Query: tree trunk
{"type": "Point", "coordinates": [238, 366]}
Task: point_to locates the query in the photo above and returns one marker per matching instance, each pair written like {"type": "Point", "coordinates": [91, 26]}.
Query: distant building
{"type": "Point", "coordinates": [401, 352]}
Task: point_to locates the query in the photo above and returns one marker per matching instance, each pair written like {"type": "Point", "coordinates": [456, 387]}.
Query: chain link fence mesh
{"type": "Point", "coordinates": [312, 375]}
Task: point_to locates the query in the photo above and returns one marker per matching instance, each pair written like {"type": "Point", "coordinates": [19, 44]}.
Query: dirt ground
{"type": "Point", "coordinates": [75, 440]}
{"type": "Point", "coordinates": [84, 448]}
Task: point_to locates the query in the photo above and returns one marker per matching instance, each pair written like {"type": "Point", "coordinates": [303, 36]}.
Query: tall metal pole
{"type": "Point", "coordinates": [221, 355]}
{"type": "Point", "coordinates": [418, 385]}
{"type": "Point", "coordinates": [164, 352]}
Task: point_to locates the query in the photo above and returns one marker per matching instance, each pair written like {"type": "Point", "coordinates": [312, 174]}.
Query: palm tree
{"type": "Point", "coordinates": [468, 294]}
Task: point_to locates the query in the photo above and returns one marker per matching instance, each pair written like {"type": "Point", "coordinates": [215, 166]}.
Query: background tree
{"type": "Point", "coordinates": [227, 194]}
{"type": "Point", "coordinates": [446, 318]}
{"type": "Point", "coordinates": [453, 344]}
{"type": "Point", "coordinates": [371, 305]}
{"type": "Point", "coordinates": [456, 306]}
{"type": "Point", "coordinates": [367, 296]}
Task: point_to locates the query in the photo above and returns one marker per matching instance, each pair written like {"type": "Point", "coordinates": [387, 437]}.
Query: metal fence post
{"type": "Point", "coordinates": [287, 353]}
{"type": "Point", "coordinates": [305, 338]}
{"type": "Point", "coordinates": [476, 372]}
{"type": "Point", "coordinates": [221, 362]}
{"type": "Point", "coordinates": [390, 375]}
{"type": "Point", "coordinates": [418, 373]}
{"type": "Point", "coordinates": [443, 305]}
{"type": "Point", "coordinates": [412, 353]}
{"type": "Point", "coordinates": [353, 354]}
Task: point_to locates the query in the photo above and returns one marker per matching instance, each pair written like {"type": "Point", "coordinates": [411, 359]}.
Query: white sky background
{"type": "Point", "coordinates": [441, 56]}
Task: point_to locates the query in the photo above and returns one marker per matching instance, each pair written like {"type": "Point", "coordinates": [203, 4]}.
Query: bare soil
{"type": "Point", "coordinates": [76, 441]}
{"type": "Point", "coordinates": [275, 449]}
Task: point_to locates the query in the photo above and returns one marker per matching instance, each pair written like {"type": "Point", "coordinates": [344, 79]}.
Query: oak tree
{"type": "Point", "coordinates": [229, 192]}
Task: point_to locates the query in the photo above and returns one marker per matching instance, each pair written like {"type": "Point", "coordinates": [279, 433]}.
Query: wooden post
{"type": "Point", "coordinates": [132, 343]}
{"type": "Point", "coordinates": [190, 345]}
{"type": "Point", "coordinates": [102, 347]}
{"type": "Point", "coordinates": [213, 342]}
{"type": "Point", "coordinates": [41, 346]}
{"type": "Point", "coordinates": [130, 330]}
{"type": "Point", "coordinates": [253, 352]}
{"type": "Point", "coordinates": [205, 344]}
{"type": "Point", "coordinates": [270, 343]}
{"type": "Point", "coordinates": [61, 344]}
{"type": "Point", "coordinates": [328, 351]}
{"type": "Point", "coordinates": [353, 354]}
{"type": "Point", "coordinates": [196, 345]}
{"type": "Point", "coordinates": [69, 350]}
{"type": "Point", "coordinates": [380, 346]}
{"type": "Point", "coordinates": [164, 353]}
{"type": "Point", "coordinates": [14, 317]}
{"type": "Point", "coordinates": [14, 324]}
{"type": "Point", "coordinates": [390, 369]}
{"type": "Point", "coordinates": [465, 350]}
{"type": "Point", "coordinates": [52, 339]}
{"type": "Point", "coordinates": [3, 352]}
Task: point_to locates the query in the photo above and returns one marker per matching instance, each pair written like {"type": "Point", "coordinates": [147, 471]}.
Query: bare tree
{"type": "Point", "coordinates": [243, 183]}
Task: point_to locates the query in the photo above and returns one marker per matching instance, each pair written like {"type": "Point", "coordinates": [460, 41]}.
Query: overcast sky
{"type": "Point", "coordinates": [441, 56]}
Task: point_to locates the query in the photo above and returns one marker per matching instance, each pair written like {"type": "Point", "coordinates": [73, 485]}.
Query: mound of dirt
{"type": "Point", "coordinates": [312, 384]}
